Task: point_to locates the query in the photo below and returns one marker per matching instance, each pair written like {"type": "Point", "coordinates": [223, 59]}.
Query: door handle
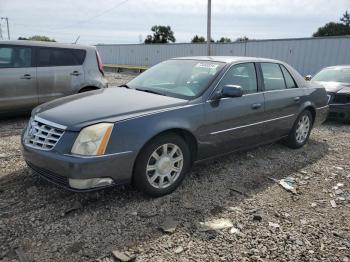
{"type": "Point", "coordinates": [26, 76]}
{"type": "Point", "coordinates": [256, 106]}
{"type": "Point", "coordinates": [75, 73]}
{"type": "Point", "coordinates": [297, 98]}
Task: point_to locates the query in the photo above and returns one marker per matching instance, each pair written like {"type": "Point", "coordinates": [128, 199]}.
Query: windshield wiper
{"type": "Point", "coordinates": [150, 91]}
{"type": "Point", "coordinates": [125, 85]}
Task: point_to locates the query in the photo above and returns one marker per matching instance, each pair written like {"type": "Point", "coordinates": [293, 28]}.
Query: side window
{"type": "Point", "coordinates": [15, 57]}
{"type": "Point", "coordinates": [63, 57]}
{"type": "Point", "coordinates": [242, 75]}
{"type": "Point", "coordinates": [289, 79]}
{"type": "Point", "coordinates": [79, 55]}
{"type": "Point", "coordinates": [273, 77]}
{"type": "Point", "coordinates": [60, 57]}
{"type": "Point", "coordinates": [44, 57]}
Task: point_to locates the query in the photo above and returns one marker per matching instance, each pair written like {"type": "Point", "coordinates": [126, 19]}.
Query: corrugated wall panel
{"type": "Point", "coordinates": [307, 55]}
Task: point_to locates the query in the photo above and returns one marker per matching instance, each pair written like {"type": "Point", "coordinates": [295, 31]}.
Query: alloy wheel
{"type": "Point", "coordinates": [302, 130]}
{"type": "Point", "coordinates": [164, 165]}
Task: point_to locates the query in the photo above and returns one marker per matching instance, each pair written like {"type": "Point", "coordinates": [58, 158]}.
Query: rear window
{"type": "Point", "coordinates": [60, 57]}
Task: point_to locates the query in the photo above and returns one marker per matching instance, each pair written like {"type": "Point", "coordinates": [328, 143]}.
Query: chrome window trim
{"type": "Point", "coordinates": [253, 124]}
{"type": "Point", "coordinates": [226, 98]}
{"type": "Point", "coordinates": [286, 89]}
{"type": "Point", "coordinates": [47, 122]}
{"type": "Point", "coordinates": [262, 92]}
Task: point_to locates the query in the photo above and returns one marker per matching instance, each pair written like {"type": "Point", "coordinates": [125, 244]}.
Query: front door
{"type": "Point", "coordinates": [233, 123]}
{"type": "Point", "coordinates": [18, 91]}
{"type": "Point", "coordinates": [60, 73]}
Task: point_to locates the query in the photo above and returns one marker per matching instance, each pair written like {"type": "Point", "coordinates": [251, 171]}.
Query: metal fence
{"type": "Point", "coordinates": [307, 55]}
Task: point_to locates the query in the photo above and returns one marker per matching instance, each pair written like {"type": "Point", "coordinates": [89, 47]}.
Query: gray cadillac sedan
{"type": "Point", "coordinates": [150, 131]}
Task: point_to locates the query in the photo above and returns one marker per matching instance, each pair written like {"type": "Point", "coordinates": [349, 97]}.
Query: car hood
{"type": "Point", "coordinates": [109, 105]}
{"type": "Point", "coordinates": [334, 87]}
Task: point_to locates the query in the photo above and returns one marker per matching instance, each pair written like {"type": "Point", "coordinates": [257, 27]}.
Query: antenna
{"type": "Point", "coordinates": [76, 41]}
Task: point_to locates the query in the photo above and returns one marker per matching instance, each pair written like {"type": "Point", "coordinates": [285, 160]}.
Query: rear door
{"type": "Point", "coordinates": [59, 72]}
{"type": "Point", "coordinates": [233, 123]}
{"type": "Point", "coordinates": [18, 91]}
{"type": "Point", "coordinates": [282, 99]}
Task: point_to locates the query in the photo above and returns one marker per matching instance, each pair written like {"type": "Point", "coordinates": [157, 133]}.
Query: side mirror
{"type": "Point", "coordinates": [232, 91]}
{"type": "Point", "coordinates": [229, 91]}
{"type": "Point", "coordinates": [308, 77]}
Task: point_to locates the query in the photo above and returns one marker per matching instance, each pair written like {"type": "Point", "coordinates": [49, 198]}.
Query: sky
{"type": "Point", "coordinates": [129, 21]}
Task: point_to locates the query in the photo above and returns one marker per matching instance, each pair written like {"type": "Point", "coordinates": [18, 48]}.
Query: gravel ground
{"type": "Point", "coordinates": [264, 222]}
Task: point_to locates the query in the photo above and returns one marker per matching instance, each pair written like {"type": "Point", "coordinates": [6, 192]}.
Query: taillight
{"type": "Point", "coordinates": [99, 63]}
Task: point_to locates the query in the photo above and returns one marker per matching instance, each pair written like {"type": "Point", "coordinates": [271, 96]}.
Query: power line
{"type": "Point", "coordinates": [54, 30]}
{"type": "Point", "coordinates": [93, 17]}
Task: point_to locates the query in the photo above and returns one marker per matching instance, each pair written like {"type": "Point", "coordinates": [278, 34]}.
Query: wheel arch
{"type": "Point", "coordinates": [185, 134]}
{"type": "Point", "coordinates": [310, 107]}
{"type": "Point", "coordinates": [88, 88]}
{"type": "Point", "coordinates": [312, 111]}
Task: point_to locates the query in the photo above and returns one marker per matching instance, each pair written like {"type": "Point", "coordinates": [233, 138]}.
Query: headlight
{"type": "Point", "coordinates": [93, 140]}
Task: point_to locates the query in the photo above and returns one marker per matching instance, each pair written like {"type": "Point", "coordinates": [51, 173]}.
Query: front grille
{"type": "Point", "coordinates": [42, 136]}
{"type": "Point", "coordinates": [341, 99]}
{"type": "Point", "coordinates": [50, 176]}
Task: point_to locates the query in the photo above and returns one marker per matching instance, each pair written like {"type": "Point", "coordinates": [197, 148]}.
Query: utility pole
{"type": "Point", "coordinates": [209, 27]}
{"type": "Point", "coordinates": [0, 30]}
{"type": "Point", "coordinates": [8, 28]}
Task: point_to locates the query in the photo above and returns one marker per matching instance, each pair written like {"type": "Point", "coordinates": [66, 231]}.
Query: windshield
{"type": "Point", "coordinates": [178, 78]}
{"type": "Point", "coordinates": [333, 75]}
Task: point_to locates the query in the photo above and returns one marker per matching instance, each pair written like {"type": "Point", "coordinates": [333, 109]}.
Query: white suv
{"type": "Point", "coordinates": [33, 73]}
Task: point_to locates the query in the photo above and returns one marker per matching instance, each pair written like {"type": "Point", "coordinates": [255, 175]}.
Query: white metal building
{"type": "Point", "coordinates": [307, 55]}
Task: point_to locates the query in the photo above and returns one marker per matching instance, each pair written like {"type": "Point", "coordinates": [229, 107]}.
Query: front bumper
{"type": "Point", "coordinates": [339, 112]}
{"type": "Point", "coordinates": [58, 168]}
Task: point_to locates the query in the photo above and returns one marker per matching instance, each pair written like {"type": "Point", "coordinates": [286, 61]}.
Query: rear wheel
{"type": "Point", "coordinates": [87, 89]}
{"type": "Point", "coordinates": [162, 165]}
{"type": "Point", "coordinates": [301, 130]}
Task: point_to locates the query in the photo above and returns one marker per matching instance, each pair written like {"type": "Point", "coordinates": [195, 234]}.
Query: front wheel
{"type": "Point", "coordinates": [300, 132]}
{"type": "Point", "coordinates": [162, 165]}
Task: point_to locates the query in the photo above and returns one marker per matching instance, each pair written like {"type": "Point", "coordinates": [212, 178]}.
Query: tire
{"type": "Point", "coordinates": [299, 136]}
{"type": "Point", "coordinates": [87, 89]}
{"type": "Point", "coordinates": [159, 177]}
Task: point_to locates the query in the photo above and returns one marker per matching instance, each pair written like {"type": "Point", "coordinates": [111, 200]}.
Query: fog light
{"type": "Point", "coordinates": [90, 183]}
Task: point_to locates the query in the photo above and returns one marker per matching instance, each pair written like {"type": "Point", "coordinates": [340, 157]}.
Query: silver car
{"type": "Point", "coordinates": [32, 73]}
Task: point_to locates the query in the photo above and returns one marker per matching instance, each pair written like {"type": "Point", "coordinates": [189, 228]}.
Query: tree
{"type": "Point", "coordinates": [198, 39]}
{"type": "Point", "coordinates": [346, 18]}
{"type": "Point", "coordinates": [334, 29]}
{"type": "Point", "coordinates": [242, 39]}
{"type": "Point", "coordinates": [38, 38]}
{"type": "Point", "coordinates": [224, 40]}
{"type": "Point", "coordinates": [161, 34]}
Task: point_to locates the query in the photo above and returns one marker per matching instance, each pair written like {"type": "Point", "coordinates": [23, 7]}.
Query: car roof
{"type": "Point", "coordinates": [228, 59]}
{"type": "Point", "coordinates": [338, 67]}
{"type": "Point", "coordinates": [44, 44]}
